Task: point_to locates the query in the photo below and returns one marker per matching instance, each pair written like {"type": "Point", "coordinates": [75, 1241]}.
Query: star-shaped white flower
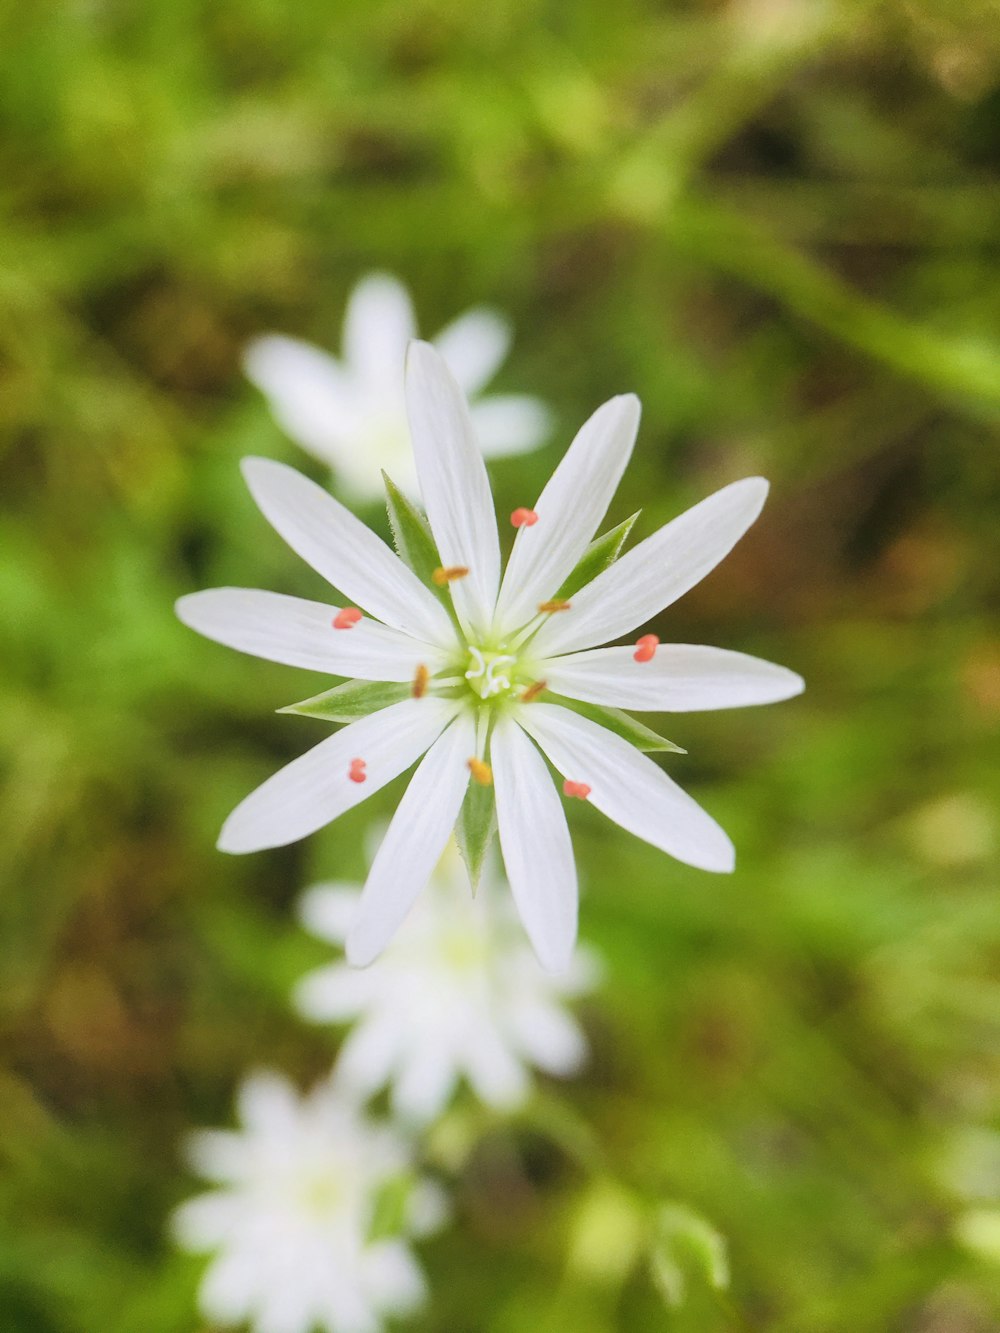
{"type": "Point", "coordinates": [490, 672]}
{"type": "Point", "coordinates": [457, 994]}
{"type": "Point", "coordinates": [291, 1217]}
{"type": "Point", "coordinates": [350, 412]}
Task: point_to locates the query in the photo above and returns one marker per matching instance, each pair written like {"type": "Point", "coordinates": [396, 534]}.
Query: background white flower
{"type": "Point", "coordinates": [457, 994]}
{"type": "Point", "coordinates": [291, 1215]}
{"type": "Point", "coordinates": [351, 412]}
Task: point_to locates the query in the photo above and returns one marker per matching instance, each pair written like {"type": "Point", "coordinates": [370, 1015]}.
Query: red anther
{"type": "Point", "coordinates": [578, 789]}
{"type": "Point", "coordinates": [357, 771]}
{"type": "Point", "coordinates": [347, 618]}
{"type": "Point", "coordinates": [645, 649]}
{"type": "Point", "coordinates": [524, 518]}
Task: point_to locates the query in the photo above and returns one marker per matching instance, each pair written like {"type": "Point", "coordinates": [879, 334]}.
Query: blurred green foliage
{"type": "Point", "coordinates": [777, 221]}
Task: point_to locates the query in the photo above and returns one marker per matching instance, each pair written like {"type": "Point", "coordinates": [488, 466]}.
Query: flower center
{"type": "Point", "coordinates": [490, 674]}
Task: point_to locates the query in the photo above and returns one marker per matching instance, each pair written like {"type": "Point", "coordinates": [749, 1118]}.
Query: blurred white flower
{"type": "Point", "coordinates": [465, 664]}
{"type": "Point", "coordinates": [458, 993]}
{"type": "Point", "coordinates": [291, 1219]}
{"type": "Point", "coordinates": [351, 412]}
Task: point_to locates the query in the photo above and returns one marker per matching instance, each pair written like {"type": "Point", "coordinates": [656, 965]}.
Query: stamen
{"type": "Point", "coordinates": [347, 618]}
{"type": "Point", "coordinates": [356, 772]}
{"type": "Point", "coordinates": [645, 648]}
{"type": "Point", "coordinates": [533, 691]}
{"type": "Point", "coordinates": [524, 518]}
{"type": "Point", "coordinates": [420, 682]}
{"type": "Point", "coordinates": [578, 789]}
{"type": "Point", "coordinates": [443, 575]}
{"type": "Point", "coordinates": [481, 772]}
{"type": "Point", "coordinates": [556, 604]}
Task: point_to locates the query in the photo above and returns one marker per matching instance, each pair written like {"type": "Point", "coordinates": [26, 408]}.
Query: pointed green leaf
{"type": "Point", "coordinates": [624, 725]}
{"type": "Point", "coordinates": [477, 823]}
{"type": "Point", "coordinates": [353, 699]}
{"type": "Point", "coordinates": [415, 543]}
{"type": "Point", "coordinates": [598, 555]}
{"type": "Point", "coordinates": [411, 533]}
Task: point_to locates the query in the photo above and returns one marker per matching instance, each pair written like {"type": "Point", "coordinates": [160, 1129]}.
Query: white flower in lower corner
{"type": "Point", "coordinates": [350, 413]}
{"type": "Point", "coordinates": [457, 994]}
{"type": "Point", "coordinates": [484, 675]}
{"type": "Point", "coordinates": [291, 1214]}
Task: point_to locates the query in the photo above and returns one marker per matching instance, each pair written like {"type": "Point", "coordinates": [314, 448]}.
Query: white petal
{"type": "Point", "coordinates": [308, 392]}
{"type": "Point", "coordinates": [453, 482]}
{"type": "Point", "coordinates": [378, 325]}
{"type": "Point", "coordinates": [497, 1076]}
{"type": "Point", "coordinates": [346, 553]}
{"type": "Point", "coordinates": [413, 845]}
{"type": "Point", "coordinates": [510, 423]}
{"type": "Point", "coordinates": [423, 1087]}
{"type": "Point", "coordinates": [628, 787]}
{"type": "Point", "coordinates": [656, 572]}
{"type": "Point", "coordinates": [326, 910]}
{"type": "Point", "coordinates": [475, 346]}
{"type": "Point", "coordinates": [681, 678]}
{"type": "Point", "coordinates": [369, 1054]}
{"type": "Point", "coordinates": [315, 788]}
{"type": "Point", "coordinates": [301, 634]}
{"type": "Point", "coordinates": [569, 510]}
{"type": "Point", "coordinates": [207, 1221]}
{"type": "Point", "coordinates": [535, 843]}
{"type": "Point", "coordinates": [229, 1287]}
{"type": "Point", "coordinates": [267, 1104]}
{"type": "Point", "coordinates": [392, 1278]}
{"type": "Point", "coordinates": [334, 994]}
{"type": "Point", "coordinates": [548, 1037]}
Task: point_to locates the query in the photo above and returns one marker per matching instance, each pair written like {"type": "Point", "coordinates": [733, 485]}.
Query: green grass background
{"type": "Point", "coordinates": [777, 222]}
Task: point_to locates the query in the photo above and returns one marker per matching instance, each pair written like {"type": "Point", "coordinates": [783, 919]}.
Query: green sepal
{"type": "Point", "coordinates": [601, 553]}
{"type": "Point", "coordinates": [415, 544]}
{"type": "Point", "coordinates": [411, 533]}
{"type": "Point", "coordinates": [623, 725]}
{"type": "Point", "coordinates": [474, 830]}
{"type": "Point", "coordinates": [353, 699]}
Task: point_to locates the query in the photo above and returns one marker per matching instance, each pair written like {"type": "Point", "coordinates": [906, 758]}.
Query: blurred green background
{"type": "Point", "coordinates": [777, 222]}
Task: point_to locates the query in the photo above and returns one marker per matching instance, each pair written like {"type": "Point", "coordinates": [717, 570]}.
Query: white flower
{"type": "Point", "coordinates": [292, 1213]}
{"type": "Point", "coordinates": [458, 993]}
{"type": "Point", "coordinates": [479, 651]}
{"type": "Point", "coordinates": [351, 413]}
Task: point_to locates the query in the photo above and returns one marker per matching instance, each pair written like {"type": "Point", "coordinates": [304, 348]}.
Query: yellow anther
{"type": "Point", "coordinates": [557, 604]}
{"type": "Point", "coordinates": [442, 576]}
{"type": "Point", "coordinates": [533, 691]}
{"type": "Point", "coordinates": [420, 682]}
{"type": "Point", "coordinates": [481, 772]}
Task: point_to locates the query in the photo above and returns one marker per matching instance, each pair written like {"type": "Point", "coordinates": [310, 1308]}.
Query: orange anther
{"type": "Point", "coordinates": [420, 682]}
{"type": "Point", "coordinates": [356, 772]}
{"type": "Point", "coordinates": [557, 604]}
{"type": "Point", "coordinates": [347, 618]}
{"type": "Point", "coordinates": [577, 789]}
{"type": "Point", "coordinates": [645, 649]}
{"type": "Point", "coordinates": [481, 772]}
{"type": "Point", "coordinates": [533, 691]}
{"type": "Point", "coordinates": [524, 518]}
{"type": "Point", "coordinates": [443, 576]}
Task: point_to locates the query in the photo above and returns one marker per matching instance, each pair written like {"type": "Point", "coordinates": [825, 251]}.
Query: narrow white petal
{"type": "Point", "coordinates": [229, 1287]}
{"type": "Point", "coordinates": [453, 482]}
{"type": "Point", "coordinates": [207, 1221]}
{"type": "Point", "coordinates": [656, 572]}
{"type": "Point", "coordinates": [681, 678]}
{"type": "Point", "coordinates": [628, 787]}
{"type": "Point", "coordinates": [326, 910]}
{"type": "Point", "coordinates": [569, 510]}
{"type": "Point", "coordinates": [334, 994]}
{"type": "Point", "coordinates": [392, 1278]}
{"type": "Point", "coordinates": [535, 842]}
{"type": "Point", "coordinates": [549, 1037]}
{"type": "Point", "coordinates": [378, 325]}
{"type": "Point", "coordinates": [301, 634]}
{"type": "Point", "coordinates": [424, 1084]}
{"type": "Point", "coordinates": [311, 397]}
{"type": "Point", "coordinates": [369, 1054]}
{"type": "Point", "coordinates": [346, 553]}
{"type": "Point", "coordinates": [414, 842]}
{"type": "Point", "coordinates": [475, 346]}
{"type": "Point", "coordinates": [495, 1073]}
{"type": "Point", "coordinates": [315, 788]}
{"type": "Point", "coordinates": [510, 423]}
{"type": "Point", "coordinates": [267, 1104]}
